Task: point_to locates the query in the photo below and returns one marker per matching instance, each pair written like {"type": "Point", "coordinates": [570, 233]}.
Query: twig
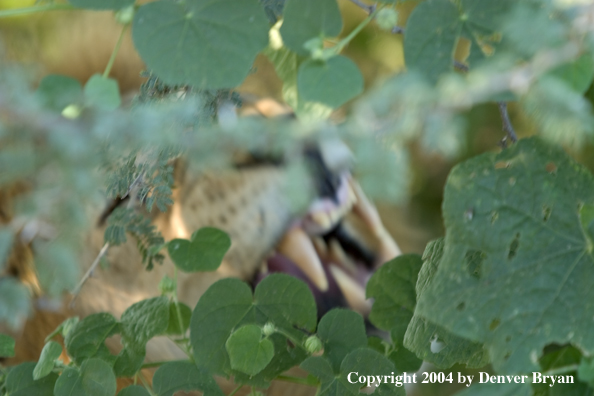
{"type": "Point", "coordinates": [368, 8]}
{"type": "Point", "coordinates": [89, 273]}
{"type": "Point", "coordinates": [507, 125]}
{"type": "Point", "coordinates": [398, 30]}
{"type": "Point", "coordinates": [461, 66]}
{"type": "Point", "coordinates": [561, 370]}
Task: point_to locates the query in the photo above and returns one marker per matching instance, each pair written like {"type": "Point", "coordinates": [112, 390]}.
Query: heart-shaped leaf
{"type": "Point", "coordinates": [248, 352]}
{"type": "Point", "coordinates": [203, 252]}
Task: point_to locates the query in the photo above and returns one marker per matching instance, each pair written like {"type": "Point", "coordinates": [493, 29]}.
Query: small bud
{"type": "Point", "coordinates": [71, 111]}
{"type": "Point", "coordinates": [268, 329]}
{"type": "Point", "coordinates": [313, 344]}
{"type": "Point", "coordinates": [125, 15]}
{"type": "Point", "coordinates": [167, 285]}
{"type": "Point", "coordinates": [387, 18]}
{"type": "Point", "coordinates": [315, 46]}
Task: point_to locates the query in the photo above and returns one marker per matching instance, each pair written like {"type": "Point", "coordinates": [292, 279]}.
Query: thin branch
{"type": "Point", "coordinates": [398, 30]}
{"type": "Point", "coordinates": [507, 125]}
{"type": "Point", "coordinates": [366, 7]}
{"type": "Point", "coordinates": [561, 370]}
{"type": "Point", "coordinates": [460, 66]}
{"type": "Point", "coordinates": [89, 273]}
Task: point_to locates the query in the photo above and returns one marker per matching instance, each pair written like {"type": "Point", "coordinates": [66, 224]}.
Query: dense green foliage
{"type": "Point", "coordinates": [509, 284]}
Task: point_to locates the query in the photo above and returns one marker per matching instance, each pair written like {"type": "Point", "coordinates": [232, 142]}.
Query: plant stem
{"type": "Point", "coordinates": [562, 370]}
{"type": "Point", "coordinates": [34, 9]}
{"type": "Point", "coordinates": [114, 53]}
{"type": "Point", "coordinates": [148, 388]}
{"type": "Point", "coordinates": [153, 364]}
{"type": "Point", "coordinates": [507, 125]}
{"type": "Point", "coordinates": [343, 43]}
{"type": "Point", "coordinates": [296, 380]}
{"type": "Point", "coordinates": [236, 390]}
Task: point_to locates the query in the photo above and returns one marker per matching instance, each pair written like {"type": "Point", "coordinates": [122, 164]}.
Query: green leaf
{"type": "Point", "coordinates": [248, 352]}
{"type": "Point", "coordinates": [432, 31]}
{"type": "Point", "coordinates": [431, 342]}
{"type": "Point", "coordinates": [174, 319]}
{"type": "Point", "coordinates": [15, 303]}
{"type": "Point", "coordinates": [228, 304]}
{"type": "Point", "coordinates": [95, 378]}
{"type": "Point", "coordinates": [56, 92]}
{"type": "Point", "coordinates": [393, 288]}
{"type": "Point", "coordinates": [306, 19]}
{"type": "Point", "coordinates": [87, 338]}
{"type": "Point", "coordinates": [586, 371]}
{"type": "Point", "coordinates": [578, 75]}
{"type": "Point", "coordinates": [129, 360]}
{"type": "Point", "coordinates": [6, 346]}
{"type": "Point", "coordinates": [102, 4]}
{"type": "Point", "coordinates": [145, 320]}
{"type": "Point", "coordinates": [332, 83]}
{"type": "Point", "coordinates": [286, 63]}
{"type": "Point", "coordinates": [6, 238]}
{"type": "Point", "coordinates": [489, 389]}
{"type": "Point", "coordinates": [512, 223]}
{"type": "Point", "coordinates": [50, 352]}
{"type": "Point", "coordinates": [341, 331]}
{"type": "Point", "coordinates": [207, 44]}
{"type": "Point", "coordinates": [133, 390]}
{"type": "Point", "coordinates": [102, 93]}
{"type": "Point", "coordinates": [203, 252]}
{"type": "Point", "coordinates": [57, 266]}
{"type": "Point", "coordinates": [362, 361]}
{"type": "Point", "coordinates": [20, 382]}
{"type": "Point", "coordinates": [175, 376]}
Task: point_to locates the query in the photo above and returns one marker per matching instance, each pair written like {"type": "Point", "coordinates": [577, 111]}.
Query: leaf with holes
{"type": "Point", "coordinates": [203, 252]}
{"type": "Point", "coordinates": [307, 19]}
{"type": "Point", "coordinates": [518, 258]}
{"type": "Point", "coordinates": [208, 44]}
{"type": "Point", "coordinates": [431, 342]}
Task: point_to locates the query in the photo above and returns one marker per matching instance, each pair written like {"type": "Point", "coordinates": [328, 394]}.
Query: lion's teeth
{"type": "Point", "coordinates": [338, 256]}
{"type": "Point", "coordinates": [353, 292]}
{"type": "Point", "coordinates": [297, 247]}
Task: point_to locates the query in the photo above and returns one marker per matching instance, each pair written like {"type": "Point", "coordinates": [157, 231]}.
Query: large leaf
{"type": "Point", "coordinates": [20, 382]}
{"type": "Point", "coordinates": [145, 320]}
{"type": "Point", "coordinates": [87, 338]}
{"type": "Point", "coordinates": [341, 331]}
{"type": "Point", "coordinates": [95, 378]}
{"type": "Point", "coordinates": [307, 19]}
{"type": "Point", "coordinates": [175, 376]}
{"type": "Point", "coordinates": [517, 265]}
{"type": "Point", "coordinates": [431, 342]}
{"type": "Point", "coordinates": [6, 346]}
{"type": "Point", "coordinates": [286, 63]}
{"type": "Point", "coordinates": [102, 4]}
{"type": "Point", "coordinates": [205, 43]}
{"type": "Point", "coordinates": [332, 82]}
{"type": "Point", "coordinates": [359, 362]}
{"type": "Point", "coordinates": [228, 304]}
{"type": "Point", "coordinates": [15, 303]}
{"type": "Point", "coordinates": [393, 288]}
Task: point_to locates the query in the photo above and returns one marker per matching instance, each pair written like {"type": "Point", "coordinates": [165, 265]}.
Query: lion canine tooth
{"type": "Point", "coordinates": [298, 248]}
{"type": "Point", "coordinates": [353, 292]}
{"type": "Point", "coordinates": [338, 256]}
{"type": "Point", "coordinates": [320, 246]}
